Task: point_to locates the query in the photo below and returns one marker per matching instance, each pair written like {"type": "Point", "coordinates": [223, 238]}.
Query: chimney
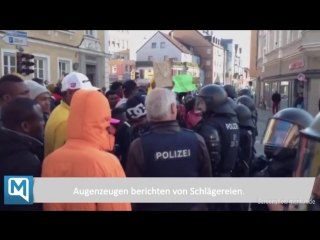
{"type": "Point", "coordinates": [236, 48]}
{"type": "Point", "coordinates": [171, 34]}
{"type": "Point", "coordinates": [240, 49]}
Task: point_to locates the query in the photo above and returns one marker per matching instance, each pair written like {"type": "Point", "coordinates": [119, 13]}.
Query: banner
{"type": "Point", "coordinates": [26, 190]}
{"type": "Point", "coordinates": [183, 83]}
{"type": "Point", "coordinates": [162, 73]}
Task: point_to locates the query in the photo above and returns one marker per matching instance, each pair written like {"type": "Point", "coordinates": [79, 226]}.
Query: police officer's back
{"type": "Point", "coordinates": [167, 150]}
{"type": "Point", "coordinates": [219, 128]}
{"type": "Point", "coordinates": [247, 129]}
{"type": "Point", "coordinates": [249, 103]}
{"type": "Point", "coordinates": [281, 140]}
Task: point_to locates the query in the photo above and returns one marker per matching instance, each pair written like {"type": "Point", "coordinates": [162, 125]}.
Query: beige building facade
{"type": "Point", "coordinates": [60, 51]}
{"type": "Point", "coordinates": [289, 62]}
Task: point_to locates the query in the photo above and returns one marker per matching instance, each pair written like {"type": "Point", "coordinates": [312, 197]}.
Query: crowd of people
{"type": "Point", "coordinates": [73, 129]}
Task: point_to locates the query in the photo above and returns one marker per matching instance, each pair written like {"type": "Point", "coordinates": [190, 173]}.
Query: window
{"type": "Point", "coordinates": [153, 45]}
{"type": "Point", "coordinates": [166, 58]}
{"type": "Point", "coordinates": [208, 74]}
{"type": "Point", "coordinates": [90, 33]}
{"type": "Point", "coordinates": [162, 45]}
{"type": "Point", "coordinates": [9, 63]}
{"type": "Point", "coordinates": [64, 67]}
{"type": "Point", "coordinates": [126, 68]}
{"type": "Point", "coordinates": [130, 68]}
{"type": "Point", "coordinates": [40, 68]}
{"type": "Point", "coordinates": [209, 51]}
{"type": "Point", "coordinates": [289, 36]}
{"type": "Point", "coordinates": [114, 69]}
{"type": "Point", "coordinates": [208, 63]}
{"type": "Point", "coordinates": [150, 58]}
{"type": "Point", "coordinates": [122, 44]}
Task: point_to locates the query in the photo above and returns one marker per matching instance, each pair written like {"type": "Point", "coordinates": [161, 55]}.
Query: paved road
{"type": "Point", "coordinates": [263, 115]}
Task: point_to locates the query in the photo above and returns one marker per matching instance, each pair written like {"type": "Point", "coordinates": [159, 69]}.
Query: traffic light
{"type": "Point", "coordinates": [24, 63]}
{"type": "Point", "coordinates": [133, 74]}
{"type": "Point", "coordinates": [136, 75]}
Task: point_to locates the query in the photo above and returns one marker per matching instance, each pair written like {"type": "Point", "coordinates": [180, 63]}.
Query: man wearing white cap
{"type": "Point", "coordinates": [56, 128]}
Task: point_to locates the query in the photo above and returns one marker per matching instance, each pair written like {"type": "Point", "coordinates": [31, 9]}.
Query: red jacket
{"type": "Point", "coordinates": [192, 119]}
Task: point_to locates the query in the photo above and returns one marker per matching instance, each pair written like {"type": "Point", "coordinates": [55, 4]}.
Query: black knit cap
{"type": "Point", "coordinates": [135, 107]}
{"type": "Point", "coordinates": [129, 85]}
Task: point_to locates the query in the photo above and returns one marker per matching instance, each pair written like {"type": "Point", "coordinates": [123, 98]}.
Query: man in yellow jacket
{"type": "Point", "coordinates": [56, 128]}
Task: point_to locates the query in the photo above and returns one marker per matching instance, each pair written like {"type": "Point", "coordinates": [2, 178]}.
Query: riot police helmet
{"type": "Point", "coordinates": [309, 148]}
{"type": "Point", "coordinates": [244, 116]}
{"type": "Point", "coordinates": [245, 92]}
{"type": "Point", "coordinates": [281, 136]}
{"type": "Point", "coordinates": [231, 91]}
{"type": "Point", "coordinates": [213, 98]}
{"type": "Point", "coordinates": [187, 99]}
{"type": "Point", "coordinates": [247, 101]}
{"type": "Point", "coordinates": [232, 103]}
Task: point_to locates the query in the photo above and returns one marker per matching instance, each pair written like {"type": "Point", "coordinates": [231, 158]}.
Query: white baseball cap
{"type": "Point", "coordinates": [76, 80]}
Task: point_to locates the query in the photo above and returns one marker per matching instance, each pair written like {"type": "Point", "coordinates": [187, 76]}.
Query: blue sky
{"type": "Point", "coordinates": [242, 37]}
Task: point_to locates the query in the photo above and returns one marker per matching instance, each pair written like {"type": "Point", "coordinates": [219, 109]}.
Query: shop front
{"type": "Point", "coordinates": [284, 87]}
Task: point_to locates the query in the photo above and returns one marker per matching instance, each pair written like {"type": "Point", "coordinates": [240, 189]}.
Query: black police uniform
{"type": "Point", "coordinates": [219, 129]}
{"type": "Point", "coordinates": [164, 160]}
{"type": "Point", "coordinates": [281, 140]}
{"type": "Point", "coordinates": [231, 91]}
{"type": "Point", "coordinates": [308, 162]}
{"type": "Point", "coordinates": [247, 129]}
{"type": "Point", "coordinates": [249, 103]}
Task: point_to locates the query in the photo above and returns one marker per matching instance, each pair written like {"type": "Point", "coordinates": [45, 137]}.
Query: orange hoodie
{"type": "Point", "coordinates": [84, 153]}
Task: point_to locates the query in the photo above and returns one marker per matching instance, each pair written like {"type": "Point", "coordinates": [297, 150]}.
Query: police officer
{"type": "Point", "coordinates": [245, 92]}
{"type": "Point", "coordinates": [231, 91]}
{"type": "Point", "coordinates": [247, 129]}
{"type": "Point", "coordinates": [167, 150]}
{"type": "Point", "coordinates": [218, 128]}
{"type": "Point", "coordinates": [249, 103]}
{"type": "Point", "coordinates": [308, 161]}
{"type": "Point", "coordinates": [281, 140]}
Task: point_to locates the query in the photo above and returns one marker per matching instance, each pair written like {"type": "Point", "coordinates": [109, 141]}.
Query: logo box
{"type": "Point", "coordinates": [18, 190]}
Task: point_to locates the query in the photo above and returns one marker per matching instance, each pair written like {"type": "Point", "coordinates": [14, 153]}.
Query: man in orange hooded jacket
{"type": "Point", "coordinates": [85, 153]}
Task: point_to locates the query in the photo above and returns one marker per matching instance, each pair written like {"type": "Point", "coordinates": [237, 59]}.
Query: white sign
{"type": "Point", "coordinates": [301, 77]}
{"type": "Point", "coordinates": [13, 40]}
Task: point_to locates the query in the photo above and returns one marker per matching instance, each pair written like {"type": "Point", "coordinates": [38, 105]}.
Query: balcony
{"type": "Point", "coordinates": [144, 64]}
{"type": "Point", "coordinates": [180, 64]}
{"type": "Point", "coordinates": [311, 42]}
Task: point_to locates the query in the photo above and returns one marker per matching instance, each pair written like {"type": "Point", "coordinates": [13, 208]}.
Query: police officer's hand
{"type": "Point", "coordinates": [281, 168]}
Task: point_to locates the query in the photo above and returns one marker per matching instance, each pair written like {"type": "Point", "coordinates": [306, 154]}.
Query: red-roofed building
{"type": "Point", "coordinates": [162, 47]}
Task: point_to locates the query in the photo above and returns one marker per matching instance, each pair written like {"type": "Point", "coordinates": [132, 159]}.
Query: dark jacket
{"type": "Point", "coordinates": [276, 97]}
{"type": "Point", "coordinates": [136, 163]}
{"type": "Point", "coordinates": [123, 138]}
{"type": "Point", "coordinates": [19, 156]}
{"type": "Point", "coordinates": [135, 155]}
